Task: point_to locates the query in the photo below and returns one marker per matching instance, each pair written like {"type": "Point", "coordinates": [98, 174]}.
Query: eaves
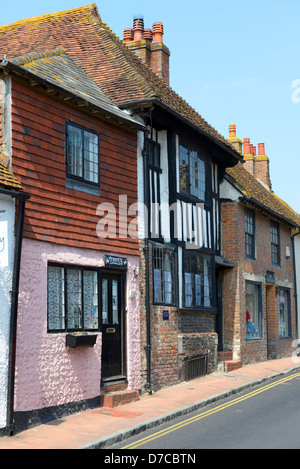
{"type": "Point", "coordinates": [9, 67]}
{"type": "Point", "coordinates": [235, 156]}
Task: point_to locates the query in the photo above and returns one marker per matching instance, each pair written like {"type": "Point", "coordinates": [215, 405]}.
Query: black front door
{"type": "Point", "coordinates": [113, 366]}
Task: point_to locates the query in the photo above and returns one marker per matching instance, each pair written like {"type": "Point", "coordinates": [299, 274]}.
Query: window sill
{"type": "Point", "coordinates": [187, 310]}
{"type": "Point", "coordinates": [82, 186]}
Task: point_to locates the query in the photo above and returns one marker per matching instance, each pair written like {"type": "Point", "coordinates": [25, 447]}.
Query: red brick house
{"type": "Point", "coordinates": [259, 321]}
{"type": "Point", "coordinates": [75, 151]}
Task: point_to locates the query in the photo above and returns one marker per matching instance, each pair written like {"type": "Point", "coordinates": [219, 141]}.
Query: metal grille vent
{"type": "Point", "coordinates": [196, 366]}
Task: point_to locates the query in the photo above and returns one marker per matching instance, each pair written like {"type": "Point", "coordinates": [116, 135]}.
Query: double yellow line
{"type": "Point", "coordinates": [173, 428]}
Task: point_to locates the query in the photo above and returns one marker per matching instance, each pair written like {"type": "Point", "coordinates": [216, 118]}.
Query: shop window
{"type": "Point", "coordinates": [197, 280]}
{"type": "Point", "coordinates": [82, 154]}
{"type": "Point", "coordinates": [284, 313]}
{"type": "Point", "coordinates": [275, 246]}
{"type": "Point", "coordinates": [253, 311]}
{"type": "Point", "coordinates": [249, 233]}
{"type": "Point", "coordinates": [163, 261]}
{"type": "Point", "coordinates": [72, 299]}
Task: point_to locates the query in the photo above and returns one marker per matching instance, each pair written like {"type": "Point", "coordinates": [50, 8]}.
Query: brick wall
{"type": "Point", "coordinates": [234, 299]}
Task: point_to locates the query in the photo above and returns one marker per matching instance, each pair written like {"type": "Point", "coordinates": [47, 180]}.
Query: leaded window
{"type": "Point", "coordinates": [163, 261]}
{"type": "Point", "coordinates": [72, 298]}
{"type": "Point", "coordinates": [197, 280]}
{"type": "Point", "coordinates": [82, 154]}
{"type": "Point", "coordinates": [192, 172]}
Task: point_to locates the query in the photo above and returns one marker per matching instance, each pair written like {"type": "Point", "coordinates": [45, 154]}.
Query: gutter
{"type": "Point", "coordinates": [22, 196]}
{"type": "Point", "coordinates": [148, 101]}
{"type": "Point", "coordinates": [267, 209]}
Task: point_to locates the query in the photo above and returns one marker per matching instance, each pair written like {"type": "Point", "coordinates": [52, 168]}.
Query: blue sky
{"type": "Point", "coordinates": [233, 61]}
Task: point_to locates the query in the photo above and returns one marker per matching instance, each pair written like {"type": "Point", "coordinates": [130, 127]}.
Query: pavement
{"type": "Point", "coordinates": [102, 427]}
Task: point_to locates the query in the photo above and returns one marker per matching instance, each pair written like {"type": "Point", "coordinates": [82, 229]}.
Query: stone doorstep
{"type": "Point", "coordinates": [116, 398]}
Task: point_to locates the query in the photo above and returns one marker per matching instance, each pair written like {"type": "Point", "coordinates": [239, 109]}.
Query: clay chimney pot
{"type": "Point", "coordinates": [138, 29]}
{"type": "Point", "coordinates": [148, 35]}
{"type": "Point", "coordinates": [261, 149]}
{"type": "Point", "coordinates": [128, 35]}
{"type": "Point", "coordinates": [247, 147]}
{"type": "Point", "coordinates": [158, 31]}
{"type": "Point", "coordinates": [232, 130]}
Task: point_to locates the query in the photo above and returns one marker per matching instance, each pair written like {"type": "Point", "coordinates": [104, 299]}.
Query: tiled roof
{"type": "Point", "coordinates": [105, 58]}
{"type": "Point", "coordinates": [257, 193]}
{"type": "Point", "coordinates": [8, 180]}
{"type": "Point", "coordinates": [56, 68]}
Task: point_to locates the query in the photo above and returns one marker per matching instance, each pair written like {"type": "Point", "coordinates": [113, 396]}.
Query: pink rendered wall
{"type": "Point", "coordinates": [47, 374]}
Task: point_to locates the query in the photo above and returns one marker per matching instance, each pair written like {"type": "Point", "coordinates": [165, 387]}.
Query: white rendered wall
{"type": "Point", "coordinates": [7, 242]}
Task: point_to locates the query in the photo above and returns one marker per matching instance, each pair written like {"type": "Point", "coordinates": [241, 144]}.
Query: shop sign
{"type": "Point", "coordinates": [116, 262]}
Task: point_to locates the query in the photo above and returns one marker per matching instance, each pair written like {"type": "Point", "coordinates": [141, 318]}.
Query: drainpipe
{"type": "Point", "coordinates": [295, 280]}
{"type": "Point", "coordinates": [146, 251]}
{"type": "Point", "coordinates": [14, 308]}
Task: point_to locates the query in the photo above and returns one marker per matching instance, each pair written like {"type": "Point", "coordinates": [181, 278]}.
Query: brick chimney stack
{"type": "Point", "coordinates": [148, 45]}
{"type": "Point", "coordinates": [262, 167]}
{"type": "Point", "coordinates": [257, 165]}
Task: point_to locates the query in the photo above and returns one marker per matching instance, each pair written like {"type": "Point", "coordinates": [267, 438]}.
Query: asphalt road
{"type": "Point", "coordinates": [263, 417]}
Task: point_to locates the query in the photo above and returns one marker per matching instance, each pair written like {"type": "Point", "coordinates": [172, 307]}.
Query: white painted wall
{"type": "Point", "coordinates": [7, 242]}
{"type": "Point", "coordinates": [297, 264]}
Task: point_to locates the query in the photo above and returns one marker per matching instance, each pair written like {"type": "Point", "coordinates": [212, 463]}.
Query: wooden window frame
{"type": "Point", "coordinates": [69, 174]}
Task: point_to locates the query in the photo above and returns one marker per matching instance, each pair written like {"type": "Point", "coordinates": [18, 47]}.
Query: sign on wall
{"type": "Point", "coordinates": [3, 244]}
{"type": "Point", "coordinates": [116, 262]}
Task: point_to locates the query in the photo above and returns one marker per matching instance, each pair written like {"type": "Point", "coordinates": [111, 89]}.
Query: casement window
{"type": "Point", "coordinates": [72, 298]}
{"type": "Point", "coordinates": [163, 261]}
{"type": "Point", "coordinates": [284, 312]}
{"type": "Point", "coordinates": [253, 311]}
{"type": "Point", "coordinates": [197, 280]}
{"type": "Point", "coordinates": [192, 172]}
{"type": "Point", "coordinates": [82, 154]}
{"type": "Point", "coordinates": [275, 243]}
{"type": "Point", "coordinates": [250, 233]}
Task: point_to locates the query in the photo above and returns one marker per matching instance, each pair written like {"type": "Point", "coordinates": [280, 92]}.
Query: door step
{"type": "Point", "coordinates": [231, 365]}
{"type": "Point", "coordinates": [226, 362]}
{"type": "Point", "coordinates": [115, 398]}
